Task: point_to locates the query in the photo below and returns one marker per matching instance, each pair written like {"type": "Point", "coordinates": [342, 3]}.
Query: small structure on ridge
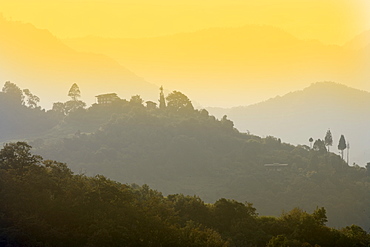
{"type": "Point", "coordinates": [107, 98]}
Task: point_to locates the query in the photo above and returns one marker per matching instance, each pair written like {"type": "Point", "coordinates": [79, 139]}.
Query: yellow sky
{"type": "Point", "coordinates": [330, 21]}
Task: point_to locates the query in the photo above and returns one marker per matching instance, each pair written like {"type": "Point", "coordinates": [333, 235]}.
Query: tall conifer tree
{"type": "Point", "coordinates": [74, 92]}
{"type": "Point", "coordinates": [328, 140]}
{"type": "Point", "coordinates": [342, 144]}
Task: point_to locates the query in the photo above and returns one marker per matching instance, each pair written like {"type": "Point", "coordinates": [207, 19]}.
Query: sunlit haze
{"type": "Point", "coordinates": [220, 53]}
{"type": "Point", "coordinates": [185, 123]}
{"type": "Point", "coordinates": [328, 21]}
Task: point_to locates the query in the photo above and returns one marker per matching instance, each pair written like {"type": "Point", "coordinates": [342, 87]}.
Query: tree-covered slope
{"type": "Point", "coordinates": [182, 150]}
{"type": "Point", "coordinates": [20, 115]}
{"type": "Point", "coordinates": [299, 115]}
{"type": "Point", "coordinates": [44, 204]}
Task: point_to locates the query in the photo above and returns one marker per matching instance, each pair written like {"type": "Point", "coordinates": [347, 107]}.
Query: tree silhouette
{"type": "Point", "coordinates": [328, 139]}
{"type": "Point", "coordinates": [342, 144]}
{"type": "Point", "coordinates": [319, 145]}
{"type": "Point", "coordinates": [178, 101]}
{"type": "Point", "coordinates": [74, 104]}
{"type": "Point", "coordinates": [227, 123]}
{"type": "Point", "coordinates": [310, 140]}
{"type": "Point", "coordinates": [74, 92]}
{"type": "Point", "coordinates": [136, 100]}
{"type": "Point", "coordinates": [59, 107]}
{"type": "Point", "coordinates": [32, 100]}
{"type": "Point", "coordinates": [14, 92]}
{"type": "Point", "coordinates": [278, 241]}
{"type": "Point", "coordinates": [17, 156]}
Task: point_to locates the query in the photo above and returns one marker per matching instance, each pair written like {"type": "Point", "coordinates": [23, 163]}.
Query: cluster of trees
{"type": "Point", "coordinates": [45, 204]}
{"type": "Point", "coordinates": [176, 101]}
{"type": "Point", "coordinates": [73, 104]}
{"type": "Point", "coordinates": [325, 144]}
{"type": "Point", "coordinates": [21, 116]}
{"type": "Point", "coordinates": [192, 152]}
{"type": "Point", "coordinates": [23, 97]}
{"type": "Point", "coordinates": [175, 148]}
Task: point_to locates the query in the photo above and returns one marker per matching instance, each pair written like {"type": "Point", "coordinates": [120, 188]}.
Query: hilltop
{"type": "Point", "coordinates": [182, 150]}
{"type": "Point", "coordinates": [178, 149]}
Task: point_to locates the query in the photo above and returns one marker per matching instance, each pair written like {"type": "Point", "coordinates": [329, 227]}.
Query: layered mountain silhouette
{"type": "Point", "coordinates": [299, 115]}
{"type": "Point", "coordinates": [359, 42]}
{"type": "Point", "coordinates": [236, 66]}
{"type": "Point", "coordinates": [31, 56]}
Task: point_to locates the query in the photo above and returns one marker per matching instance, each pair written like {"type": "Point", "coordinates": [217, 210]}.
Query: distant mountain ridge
{"type": "Point", "coordinates": [299, 115]}
{"type": "Point", "coordinates": [213, 64]}
{"type": "Point", "coordinates": [31, 56]}
{"type": "Point", "coordinates": [360, 41]}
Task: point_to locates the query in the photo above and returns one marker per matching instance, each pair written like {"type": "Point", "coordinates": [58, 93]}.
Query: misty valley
{"type": "Point", "coordinates": [197, 123]}
{"type": "Point", "coordinates": [131, 172]}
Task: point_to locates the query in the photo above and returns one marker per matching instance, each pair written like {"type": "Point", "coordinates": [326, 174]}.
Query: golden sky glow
{"type": "Point", "coordinates": [220, 53]}
{"type": "Point", "coordinates": [330, 21]}
{"type": "Point", "coordinates": [222, 47]}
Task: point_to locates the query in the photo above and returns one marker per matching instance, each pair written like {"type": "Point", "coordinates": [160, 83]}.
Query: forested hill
{"type": "Point", "coordinates": [176, 149]}
{"type": "Point", "coordinates": [20, 115]}
{"type": "Point", "coordinates": [44, 204]}
{"type": "Point", "coordinates": [299, 115]}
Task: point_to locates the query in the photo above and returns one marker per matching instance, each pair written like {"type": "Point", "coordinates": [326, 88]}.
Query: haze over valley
{"type": "Point", "coordinates": [185, 123]}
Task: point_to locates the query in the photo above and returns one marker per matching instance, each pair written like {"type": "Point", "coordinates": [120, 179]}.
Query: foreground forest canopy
{"type": "Point", "coordinates": [175, 148]}
{"type": "Point", "coordinates": [45, 204]}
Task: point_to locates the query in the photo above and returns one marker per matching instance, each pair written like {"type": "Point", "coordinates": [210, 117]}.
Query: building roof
{"type": "Point", "coordinates": [107, 95]}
